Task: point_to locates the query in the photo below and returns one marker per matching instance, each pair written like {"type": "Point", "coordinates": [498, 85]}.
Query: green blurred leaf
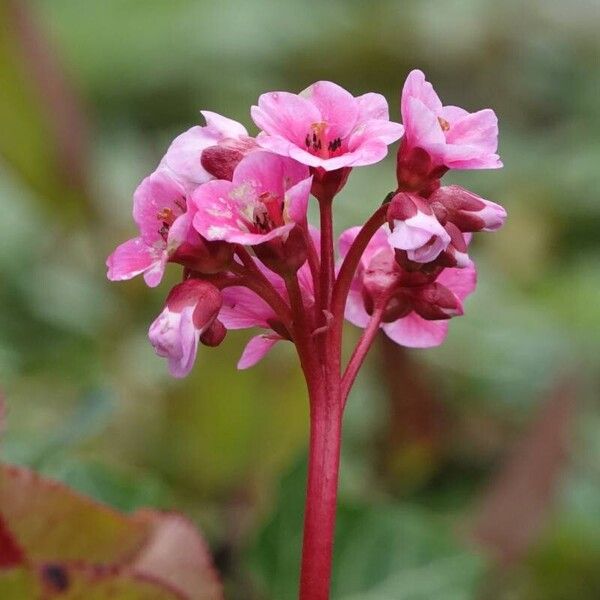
{"type": "Point", "coordinates": [382, 551]}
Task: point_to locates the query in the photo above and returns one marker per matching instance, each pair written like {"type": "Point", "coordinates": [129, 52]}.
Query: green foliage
{"type": "Point", "coordinates": [382, 550]}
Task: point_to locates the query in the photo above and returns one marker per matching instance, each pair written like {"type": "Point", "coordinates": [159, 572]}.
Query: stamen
{"type": "Point", "coordinates": [443, 124]}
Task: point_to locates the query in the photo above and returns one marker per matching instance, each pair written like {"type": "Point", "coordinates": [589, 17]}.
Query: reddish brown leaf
{"type": "Point", "coordinates": [518, 498]}
{"type": "Point", "coordinates": [177, 555]}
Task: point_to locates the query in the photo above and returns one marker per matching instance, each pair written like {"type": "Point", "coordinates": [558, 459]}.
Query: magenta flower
{"type": "Point", "coordinates": [450, 136]}
{"type": "Point", "coordinates": [325, 126]}
{"type": "Point", "coordinates": [184, 158]}
{"type": "Point", "coordinates": [159, 210]}
{"type": "Point", "coordinates": [266, 198]}
{"type": "Point", "coordinates": [190, 311]}
{"type": "Point", "coordinates": [418, 304]}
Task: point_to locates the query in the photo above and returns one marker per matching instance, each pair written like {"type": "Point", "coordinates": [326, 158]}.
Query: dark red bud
{"type": "Point", "coordinates": [381, 275]}
{"type": "Point", "coordinates": [326, 184]}
{"type": "Point", "coordinates": [402, 206]}
{"type": "Point", "coordinates": [202, 295]}
{"type": "Point", "coordinates": [415, 171]}
{"type": "Point", "coordinates": [435, 302]}
{"type": "Point", "coordinates": [461, 207]}
{"type": "Point", "coordinates": [203, 256]}
{"type": "Point", "coordinates": [283, 257]}
{"type": "Point", "coordinates": [220, 161]}
{"type": "Point", "coordinates": [214, 335]}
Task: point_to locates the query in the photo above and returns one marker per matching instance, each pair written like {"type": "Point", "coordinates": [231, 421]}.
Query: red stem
{"type": "Point", "coordinates": [327, 259]}
{"type": "Point", "coordinates": [321, 495]}
{"type": "Point", "coordinates": [344, 279]}
{"type": "Point", "coordinates": [360, 352]}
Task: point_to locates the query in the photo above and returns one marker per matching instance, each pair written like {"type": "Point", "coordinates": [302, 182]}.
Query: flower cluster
{"type": "Point", "coordinates": [231, 209]}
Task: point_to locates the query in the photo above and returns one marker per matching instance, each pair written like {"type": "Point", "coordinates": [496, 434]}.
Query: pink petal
{"type": "Point", "coordinates": [267, 172]}
{"type": "Point", "coordinates": [478, 129]}
{"type": "Point", "coordinates": [130, 259]}
{"type": "Point", "coordinates": [256, 349]}
{"type": "Point", "coordinates": [415, 332]}
{"type": "Point", "coordinates": [154, 275]}
{"type": "Point", "coordinates": [422, 126]}
{"type": "Point", "coordinates": [157, 192]}
{"type": "Point", "coordinates": [337, 106]}
{"type": "Point", "coordinates": [384, 132]}
{"type": "Point", "coordinates": [185, 152]}
{"type": "Point", "coordinates": [372, 106]}
{"type": "Point", "coordinates": [355, 307]}
{"type": "Point", "coordinates": [417, 87]}
{"type": "Point", "coordinates": [242, 309]}
{"type": "Point", "coordinates": [346, 240]}
{"type": "Point", "coordinates": [460, 281]}
{"type": "Point", "coordinates": [222, 127]}
{"type": "Point", "coordinates": [189, 337]}
{"type": "Point", "coordinates": [287, 115]}
{"type": "Point", "coordinates": [415, 233]}
{"type": "Point", "coordinates": [296, 200]}
{"type": "Point", "coordinates": [453, 113]}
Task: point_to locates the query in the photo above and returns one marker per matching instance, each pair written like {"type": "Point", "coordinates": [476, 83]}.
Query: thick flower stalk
{"type": "Point", "coordinates": [231, 209]}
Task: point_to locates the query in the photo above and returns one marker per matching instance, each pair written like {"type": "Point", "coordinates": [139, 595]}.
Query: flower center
{"type": "Point", "coordinates": [443, 124]}
{"type": "Point", "coordinates": [166, 217]}
{"type": "Point", "coordinates": [268, 213]}
{"type": "Point", "coordinates": [317, 142]}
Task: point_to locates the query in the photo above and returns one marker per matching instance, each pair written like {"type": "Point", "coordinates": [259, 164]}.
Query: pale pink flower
{"type": "Point", "coordinates": [451, 136]}
{"type": "Point", "coordinates": [419, 304]}
{"type": "Point", "coordinates": [415, 228]}
{"type": "Point", "coordinates": [184, 158]}
{"type": "Point", "coordinates": [190, 310]}
{"type": "Point", "coordinates": [266, 198]}
{"type": "Point", "coordinates": [325, 126]}
{"type": "Point", "coordinates": [159, 210]}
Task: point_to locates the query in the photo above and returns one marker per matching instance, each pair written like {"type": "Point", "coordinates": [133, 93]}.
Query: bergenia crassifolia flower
{"type": "Point", "coordinates": [325, 126]}
{"type": "Point", "coordinates": [159, 210]}
{"type": "Point", "coordinates": [438, 137]}
{"type": "Point", "coordinates": [232, 211]}
{"type": "Point", "coordinates": [266, 198]}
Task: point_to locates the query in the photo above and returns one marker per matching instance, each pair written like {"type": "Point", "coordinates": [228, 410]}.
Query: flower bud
{"type": "Point", "coordinates": [283, 256]}
{"type": "Point", "coordinates": [466, 210]}
{"type": "Point", "coordinates": [415, 228]}
{"type": "Point", "coordinates": [221, 160]}
{"type": "Point", "coordinates": [435, 302]}
{"type": "Point", "coordinates": [214, 335]}
{"type": "Point", "coordinates": [190, 310]}
{"type": "Point", "coordinates": [204, 256]}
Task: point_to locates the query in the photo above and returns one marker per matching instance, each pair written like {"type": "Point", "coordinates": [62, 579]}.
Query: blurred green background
{"type": "Point", "coordinates": [470, 471]}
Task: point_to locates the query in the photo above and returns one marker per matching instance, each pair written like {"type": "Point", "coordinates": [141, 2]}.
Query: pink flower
{"type": "Point", "coordinates": [451, 136]}
{"type": "Point", "coordinates": [266, 198]}
{"type": "Point", "coordinates": [325, 126]}
{"type": "Point", "coordinates": [159, 209]}
{"type": "Point", "coordinates": [415, 228]}
{"type": "Point", "coordinates": [419, 304]}
{"type": "Point", "coordinates": [466, 210]}
{"type": "Point", "coordinates": [191, 310]}
{"type": "Point", "coordinates": [185, 159]}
